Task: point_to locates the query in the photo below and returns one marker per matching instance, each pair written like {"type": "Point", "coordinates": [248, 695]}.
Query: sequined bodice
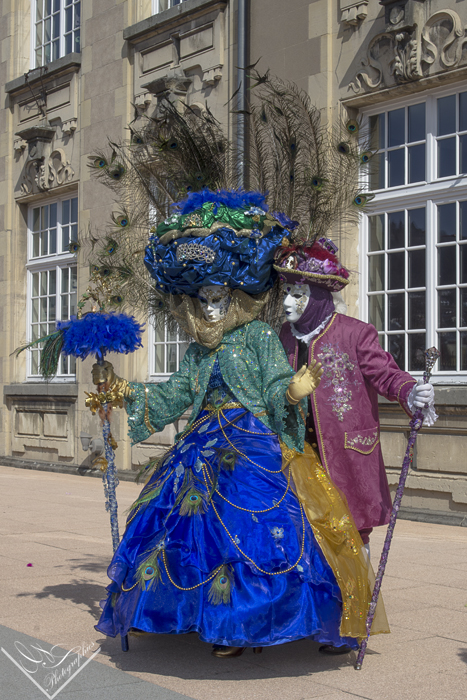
{"type": "Point", "coordinates": [217, 392]}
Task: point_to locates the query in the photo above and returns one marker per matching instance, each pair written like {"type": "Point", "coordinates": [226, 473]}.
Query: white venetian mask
{"type": "Point", "coordinates": [215, 302]}
{"type": "Point", "coordinates": [295, 301]}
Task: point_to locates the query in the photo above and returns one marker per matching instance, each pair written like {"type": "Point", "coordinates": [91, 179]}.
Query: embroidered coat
{"type": "Point", "coordinates": [345, 410]}
{"type": "Point", "coordinates": [254, 367]}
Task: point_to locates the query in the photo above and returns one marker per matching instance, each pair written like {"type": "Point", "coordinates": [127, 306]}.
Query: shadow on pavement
{"type": "Point", "coordinates": [76, 591]}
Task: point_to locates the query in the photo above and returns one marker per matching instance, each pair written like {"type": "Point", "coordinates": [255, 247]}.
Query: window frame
{"type": "Point", "coordinates": [154, 376]}
{"type": "Point", "coordinates": [430, 194]}
{"type": "Point", "coordinates": [61, 36]}
{"type": "Point", "coordinates": [52, 261]}
{"type": "Point", "coordinates": [170, 3]}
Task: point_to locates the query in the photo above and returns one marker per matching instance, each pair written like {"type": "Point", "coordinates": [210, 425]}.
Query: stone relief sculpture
{"type": "Point", "coordinates": [47, 172]}
{"type": "Point", "coordinates": [410, 53]}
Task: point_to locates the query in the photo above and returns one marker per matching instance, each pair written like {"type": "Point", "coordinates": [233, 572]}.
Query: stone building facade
{"type": "Point", "coordinates": [73, 73]}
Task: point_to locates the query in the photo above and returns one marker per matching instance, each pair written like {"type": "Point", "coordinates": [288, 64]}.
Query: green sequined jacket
{"type": "Point", "coordinates": [255, 368]}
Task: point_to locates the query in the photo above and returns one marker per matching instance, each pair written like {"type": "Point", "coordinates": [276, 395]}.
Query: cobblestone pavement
{"type": "Point", "coordinates": [57, 524]}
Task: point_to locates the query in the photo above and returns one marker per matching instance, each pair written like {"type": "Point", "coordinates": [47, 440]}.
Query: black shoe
{"type": "Point", "coordinates": [334, 651]}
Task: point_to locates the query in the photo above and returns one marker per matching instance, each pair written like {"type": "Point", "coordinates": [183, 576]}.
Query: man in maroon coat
{"type": "Point", "coordinates": [342, 420]}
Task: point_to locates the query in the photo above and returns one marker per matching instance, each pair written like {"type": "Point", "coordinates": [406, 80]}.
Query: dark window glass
{"type": "Point", "coordinates": [417, 163]}
{"type": "Point", "coordinates": [396, 127]}
{"type": "Point", "coordinates": [397, 348]}
{"type": "Point", "coordinates": [376, 273]}
{"type": "Point", "coordinates": [463, 308]}
{"type": "Point", "coordinates": [446, 115]}
{"type": "Point", "coordinates": [463, 111]}
{"type": "Point", "coordinates": [447, 265]}
{"type": "Point", "coordinates": [446, 157]}
{"type": "Point", "coordinates": [417, 275]}
{"type": "Point", "coordinates": [377, 181]}
{"type": "Point", "coordinates": [417, 347]}
{"type": "Point", "coordinates": [463, 254]}
{"type": "Point", "coordinates": [396, 270]}
{"type": "Point", "coordinates": [396, 226]}
{"type": "Point", "coordinates": [376, 232]}
{"type": "Point", "coordinates": [396, 167]}
{"type": "Point", "coordinates": [417, 129]}
{"type": "Point", "coordinates": [463, 221]}
{"type": "Point", "coordinates": [463, 336]}
{"type": "Point", "coordinates": [376, 311]}
{"type": "Point", "coordinates": [448, 349]}
{"type": "Point", "coordinates": [377, 123]}
{"type": "Point", "coordinates": [396, 312]}
{"type": "Point", "coordinates": [446, 223]}
{"type": "Point", "coordinates": [417, 310]}
{"type": "Point", "coordinates": [447, 308]}
{"type": "Point", "coordinates": [463, 155]}
{"type": "Point", "coordinates": [417, 226]}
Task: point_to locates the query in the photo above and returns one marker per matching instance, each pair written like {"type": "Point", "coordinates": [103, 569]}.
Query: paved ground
{"type": "Point", "coordinates": [58, 524]}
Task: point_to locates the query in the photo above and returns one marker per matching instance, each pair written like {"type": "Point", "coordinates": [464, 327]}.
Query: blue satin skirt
{"type": "Point", "coordinates": [220, 546]}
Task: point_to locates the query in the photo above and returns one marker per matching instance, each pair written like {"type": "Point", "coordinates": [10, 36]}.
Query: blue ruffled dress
{"type": "Point", "coordinates": [218, 543]}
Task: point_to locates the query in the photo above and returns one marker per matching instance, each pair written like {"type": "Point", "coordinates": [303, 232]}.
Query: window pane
{"type": "Point", "coordinates": [417, 163]}
{"type": "Point", "coordinates": [160, 359]}
{"type": "Point", "coordinates": [446, 115]}
{"type": "Point", "coordinates": [417, 347]}
{"type": "Point", "coordinates": [77, 20]}
{"type": "Point", "coordinates": [65, 273]}
{"type": "Point", "coordinates": [463, 155]}
{"type": "Point", "coordinates": [417, 268]}
{"type": "Point", "coordinates": [376, 273]}
{"type": "Point", "coordinates": [43, 308]}
{"type": "Point", "coordinates": [417, 226]}
{"type": "Point", "coordinates": [396, 271]}
{"type": "Point", "coordinates": [56, 50]}
{"type": "Point", "coordinates": [35, 310]}
{"type": "Point", "coordinates": [396, 226]}
{"type": "Point", "coordinates": [52, 309]}
{"type": "Point", "coordinates": [47, 30]}
{"type": "Point", "coordinates": [396, 312]}
{"type": "Point", "coordinates": [44, 217]}
{"type": "Point", "coordinates": [35, 284]}
{"type": "Point", "coordinates": [74, 210]}
{"type": "Point", "coordinates": [447, 308]}
{"type": "Point", "coordinates": [396, 167]}
{"type": "Point", "coordinates": [68, 19]}
{"type": "Point", "coordinates": [159, 334]}
{"type": "Point", "coordinates": [183, 347]}
{"type": "Point", "coordinates": [35, 245]}
{"type": "Point", "coordinates": [376, 172]}
{"type": "Point", "coordinates": [44, 241]}
{"type": "Point", "coordinates": [64, 307]}
{"type": "Point", "coordinates": [448, 348]}
{"type": "Point", "coordinates": [447, 265]}
{"type": "Point", "coordinates": [74, 275]}
{"type": "Point", "coordinates": [446, 157]}
{"type": "Point", "coordinates": [463, 254]}
{"type": "Point", "coordinates": [47, 53]}
{"type": "Point", "coordinates": [34, 362]}
{"type": "Point", "coordinates": [38, 10]}
{"type": "Point", "coordinates": [396, 127]}
{"type": "Point", "coordinates": [52, 282]}
{"type": "Point", "coordinates": [463, 111]}
{"type": "Point", "coordinates": [65, 238]}
{"type": "Point", "coordinates": [43, 284]}
{"type": "Point", "coordinates": [171, 358]}
{"type": "Point", "coordinates": [463, 350]}
{"type": "Point", "coordinates": [377, 232]}
{"type": "Point", "coordinates": [397, 348]}
{"type": "Point", "coordinates": [417, 131]}
{"type": "Point", "coordinates": [417, 310]}
{"type": "Point", "coordinates": [446, 223]}
{"type": "Point", "coordinates": [463, 221]}
{"type": "Point", "coordinates": [56, 26]}
{"type": "Point", "coordinates": [36, 214]}
{"type": "Point", "coordinates": [66, 211]}
{"type": "Point", "coordinates": [53, 241]}
{"type": "Point", "coordinates": [376, 311]}
{"type": "Point", "coordinates": [377, 123]}
{"type": "Point", "coordinates": [463, 309]}
{"type": "Point", "coordinates": [68, 43]}
{"type": "Point", "coordinates": [172, 335]}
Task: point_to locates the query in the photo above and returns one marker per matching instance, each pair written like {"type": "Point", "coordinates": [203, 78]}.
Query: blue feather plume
{"type": "Point", "coordinates": [98, 334]}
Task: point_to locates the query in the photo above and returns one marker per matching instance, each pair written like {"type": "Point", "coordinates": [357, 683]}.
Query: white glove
{"type": "Point", "coordinates": [423, 396]}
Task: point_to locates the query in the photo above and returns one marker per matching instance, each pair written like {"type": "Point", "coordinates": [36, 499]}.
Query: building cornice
{"type": "Point", "coordinates": [173, 16]}
{"type": "Point", "coordinates": [67, 64]}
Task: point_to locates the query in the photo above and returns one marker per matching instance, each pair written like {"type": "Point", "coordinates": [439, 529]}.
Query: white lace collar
{"type": "Point", "coordinates": [306, 337]}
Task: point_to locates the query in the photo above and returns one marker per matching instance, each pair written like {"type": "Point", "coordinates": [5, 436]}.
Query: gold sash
{"type": "Point", "coordinates": [328, 514]}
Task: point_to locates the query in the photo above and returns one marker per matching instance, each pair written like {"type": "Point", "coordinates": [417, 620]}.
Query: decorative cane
{"type": "Point", "coordinates": [416, 423]}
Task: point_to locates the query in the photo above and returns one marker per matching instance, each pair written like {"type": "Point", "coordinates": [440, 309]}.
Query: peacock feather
{"type": "Point", "coordinates": [149, 571]}
{"type": "Point", "coordinates": [191, 499]}
{"type": "Point", "coordinates": [221, 587]}
{"type": "Point", "coordinates": [50, 352]}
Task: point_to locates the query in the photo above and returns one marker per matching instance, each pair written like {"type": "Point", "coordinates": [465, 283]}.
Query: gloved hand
{"type": "Point", "coordinates": [304, 382]}
{"type": "Point", "coordinates": [421, 395]}
{"type": "Point", "coordinates": [103, 374]}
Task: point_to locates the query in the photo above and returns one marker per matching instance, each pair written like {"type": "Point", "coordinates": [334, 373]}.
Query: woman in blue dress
{"type": "Point", "coordinates": [237, 535]}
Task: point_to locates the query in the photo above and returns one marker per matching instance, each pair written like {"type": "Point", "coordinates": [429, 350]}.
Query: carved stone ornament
{"type": "Point", "coordinates": [45, 168]}
{"type": "Point", "coordinates": [212, 75]}
{"type": "Point", "coordinates": [408, 53]}
{"type": "Point", "coordinates": [353, 11]}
